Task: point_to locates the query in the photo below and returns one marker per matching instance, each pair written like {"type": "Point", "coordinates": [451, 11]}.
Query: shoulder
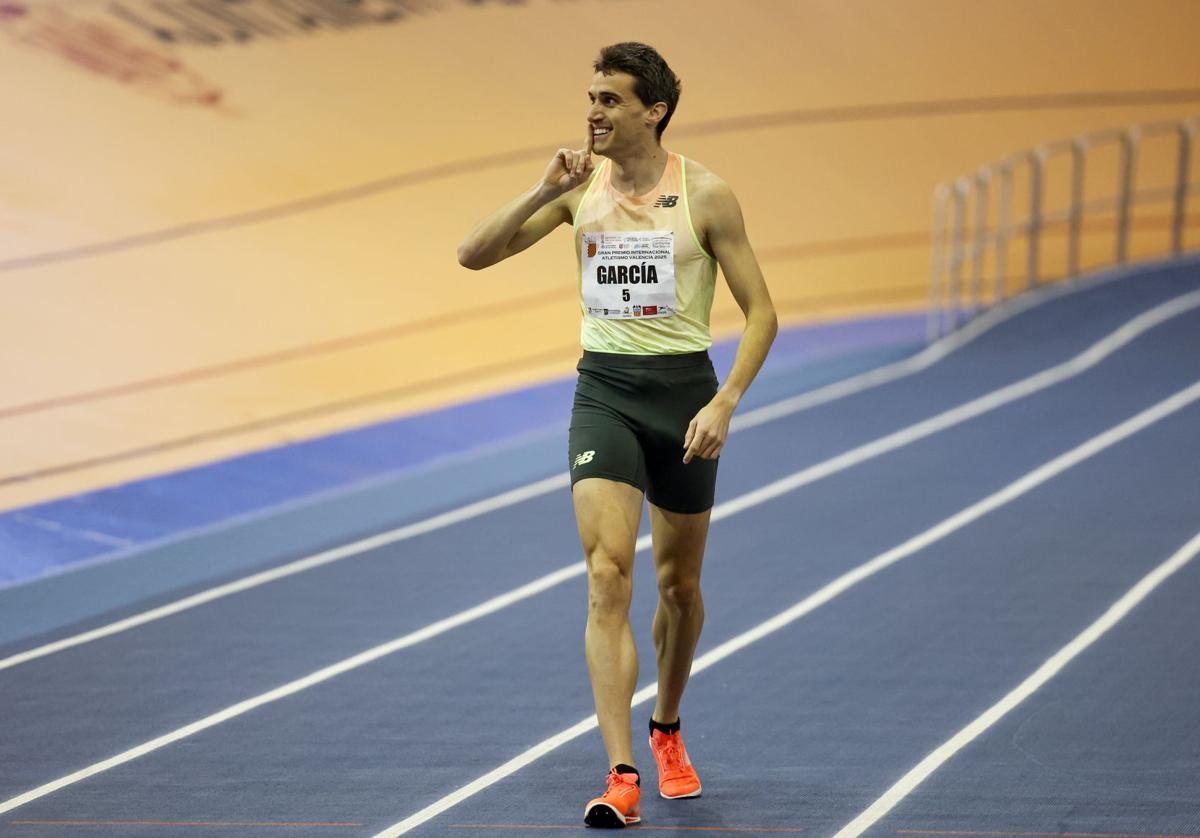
{"type": "Point", "coordinates": [713, 205]}
{"type": "Point", "coordinates": [708, 193]}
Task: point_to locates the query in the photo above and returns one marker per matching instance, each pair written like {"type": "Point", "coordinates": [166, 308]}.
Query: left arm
{"type": "Point", "coordinates": [725, 229]}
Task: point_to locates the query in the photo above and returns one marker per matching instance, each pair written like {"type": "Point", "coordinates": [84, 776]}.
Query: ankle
{"type": "Point", "coordinates": [673, 727]}
{"type": "Point", "coordinates": [625, 768]}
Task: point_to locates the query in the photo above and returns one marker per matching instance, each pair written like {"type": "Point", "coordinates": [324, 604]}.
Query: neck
{"type": "Point", "coordinates": [636, 172]}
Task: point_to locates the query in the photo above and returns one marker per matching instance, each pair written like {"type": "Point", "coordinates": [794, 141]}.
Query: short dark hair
{"type": "Point", "coordinates": [653, 80]}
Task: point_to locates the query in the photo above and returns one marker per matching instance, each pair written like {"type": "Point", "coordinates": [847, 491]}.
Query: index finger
{"type": "Point", "coordinates": [691, 442]}
{"type": "Point", "coordinates": [590, 137]}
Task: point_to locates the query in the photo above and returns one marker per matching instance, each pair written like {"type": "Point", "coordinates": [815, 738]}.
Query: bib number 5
{"type": "Point", "coordinates": [628, 274]}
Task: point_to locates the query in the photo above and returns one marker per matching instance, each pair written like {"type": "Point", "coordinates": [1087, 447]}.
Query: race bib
{"type": "Point", "coordinates": [629, 275]}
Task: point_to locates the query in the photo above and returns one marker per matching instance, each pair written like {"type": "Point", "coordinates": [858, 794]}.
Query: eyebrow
{"type": "Point", "coordinates": [611, 93]}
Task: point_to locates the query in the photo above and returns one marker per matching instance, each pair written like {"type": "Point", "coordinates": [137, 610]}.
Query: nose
{"type": "Point", "coordinates": [593, 112]}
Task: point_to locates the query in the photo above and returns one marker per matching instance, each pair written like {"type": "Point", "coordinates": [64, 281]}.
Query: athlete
{"type": "Point", "coordinates": [648, 419]}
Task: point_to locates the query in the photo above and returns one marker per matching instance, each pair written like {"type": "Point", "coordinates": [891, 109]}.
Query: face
{"type": "Point", "coordinates": [617, 117]}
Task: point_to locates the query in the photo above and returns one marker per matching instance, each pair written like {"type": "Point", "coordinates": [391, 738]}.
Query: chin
{"type": "Point", "coordinates": [606, 151]}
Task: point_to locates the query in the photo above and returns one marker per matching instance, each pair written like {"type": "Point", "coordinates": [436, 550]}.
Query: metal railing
{"type": "Point", "coordinates": [971, 253]}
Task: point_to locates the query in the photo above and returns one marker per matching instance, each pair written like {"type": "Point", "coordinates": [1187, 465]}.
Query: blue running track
{"type": "Point", "coordinates": [802, 729]}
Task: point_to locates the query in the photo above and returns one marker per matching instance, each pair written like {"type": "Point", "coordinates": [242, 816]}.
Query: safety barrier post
{"type": "Point", "coordinates": [933, 323]}
{"type": "Point", "coordinates": [1125, 197]}
{"type": "Point", "coordinates": [1075, 221]}
{"type": "Point", "coordinates": [979, 239]}
{"type": "Point", "coordinates": [1037, 162]}
{"type": "Point", "coordinates": [1003, 206]}
{"type": "Point", "coordinates": [957, 249]}
{"type": "Point", "coordinates": [1187, 132]}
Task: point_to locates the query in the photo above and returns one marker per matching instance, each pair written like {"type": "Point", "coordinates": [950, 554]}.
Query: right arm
{"type": "Point", "coordinates": [532, 214]}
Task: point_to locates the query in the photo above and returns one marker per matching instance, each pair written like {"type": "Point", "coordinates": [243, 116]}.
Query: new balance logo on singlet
{"type": "Point", "coordinates": [666, 201]}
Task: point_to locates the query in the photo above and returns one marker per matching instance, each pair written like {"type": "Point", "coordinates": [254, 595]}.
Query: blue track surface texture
{"type": "Point", "coordinates": [803, 729]}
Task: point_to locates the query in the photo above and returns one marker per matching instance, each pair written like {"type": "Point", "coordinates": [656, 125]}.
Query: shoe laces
{"type": "Point", "coordinates": [671, 750]}
{"type": "Point", "coordinates": [615, 778]}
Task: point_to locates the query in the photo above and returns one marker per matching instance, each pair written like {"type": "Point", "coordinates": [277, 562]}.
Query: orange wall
{"type": "Point", "coordinates": [255, 244]}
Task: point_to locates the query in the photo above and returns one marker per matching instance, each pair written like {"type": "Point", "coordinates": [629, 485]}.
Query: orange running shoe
{"type": "Point", "coordinates": [676, 776]}
{"type": "Point", "coordinates": [618, 806]}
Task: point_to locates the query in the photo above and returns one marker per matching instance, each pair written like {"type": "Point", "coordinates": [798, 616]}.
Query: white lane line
{"type": "Point", "coordinates": [958, 521]}
{"type": "Point", "coordinates": [454, 516]}
{"type": "Point", "coordinates": [1082, 362]}
{"type": "Point", "coordinates": [545, 582]}
{"type": "Point", "coordinates": [924, 359]}
{"type": "Point", "coordinates": [955, 522]}
{"type": "Point", "coordinates": [293, 687]}
{"type": "Point", "coordinates": [1097, 352]}
{"type": "Point", "coordinates": [906, 784]}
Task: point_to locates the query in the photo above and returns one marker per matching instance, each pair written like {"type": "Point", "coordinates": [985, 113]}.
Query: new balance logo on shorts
{"type": "Point", "coordinates": [583, 459]}
{"type": "Point", "coordinates": [666, 201]}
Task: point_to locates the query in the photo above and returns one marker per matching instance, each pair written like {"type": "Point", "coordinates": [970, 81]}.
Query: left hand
{"type": "Point", "coordinates": [707, 431]}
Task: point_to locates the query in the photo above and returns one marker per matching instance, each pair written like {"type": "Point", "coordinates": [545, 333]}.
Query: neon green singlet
{"type": "Point", "coordinates": [623, 321]}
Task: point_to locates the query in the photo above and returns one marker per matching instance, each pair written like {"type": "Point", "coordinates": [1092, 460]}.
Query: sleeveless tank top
{"type": "Point", "coordinates": [631, 251]}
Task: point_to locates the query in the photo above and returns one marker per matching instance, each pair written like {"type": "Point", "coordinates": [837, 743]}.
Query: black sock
{"type": "Point", "coordinates": [673, 727]}
{"type": "Point", "coordinates": [622, 768]}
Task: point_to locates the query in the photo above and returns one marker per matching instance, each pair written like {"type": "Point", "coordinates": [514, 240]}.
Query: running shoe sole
{"type": "Point", "coordinates": [604, 816]}
{"type": "Point", "coordinates": [696, 793]}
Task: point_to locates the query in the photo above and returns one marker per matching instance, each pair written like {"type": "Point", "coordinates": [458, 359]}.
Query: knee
{"type": "Point", "coordinates": [610, 586]}
{"type": "Point", "coordinates": [680, 594]}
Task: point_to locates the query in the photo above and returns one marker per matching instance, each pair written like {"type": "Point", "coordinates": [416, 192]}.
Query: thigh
{"type": "Point", "coordinates": [608, 514]}
{"type": "Point", "coordinates": [679, 541]}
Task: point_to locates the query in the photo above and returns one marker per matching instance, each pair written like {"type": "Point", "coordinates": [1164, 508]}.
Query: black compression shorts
{"type": "Point", "coordinates": [629, 419]}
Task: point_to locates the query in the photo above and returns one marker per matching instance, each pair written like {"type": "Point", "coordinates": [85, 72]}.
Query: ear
{"type": "Point", "coordinates": [655, 113]}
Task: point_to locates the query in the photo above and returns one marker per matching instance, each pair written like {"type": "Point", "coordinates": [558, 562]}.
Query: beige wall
{"type": "Point", "coordinates": [209, 250]}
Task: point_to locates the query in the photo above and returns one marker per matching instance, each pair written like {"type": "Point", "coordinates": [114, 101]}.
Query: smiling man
{"type": "Point", "coordinates": [650, 229]}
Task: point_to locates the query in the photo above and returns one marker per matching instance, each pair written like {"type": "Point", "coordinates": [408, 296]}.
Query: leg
{"type": "Point", "coordinates": [679, 541]}
{"type": "Point", "coordinates": [608, 513]}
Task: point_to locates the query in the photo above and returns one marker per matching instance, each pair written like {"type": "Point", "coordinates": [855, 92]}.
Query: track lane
{"type": "Point", "coordinates": [807, 727]}
{"type": "Point", "coordinates": [1110, 745]}
{"type": "Point", "coordinates": [573, 642]}
{"type": "Point", "coordinates": [176, 690]}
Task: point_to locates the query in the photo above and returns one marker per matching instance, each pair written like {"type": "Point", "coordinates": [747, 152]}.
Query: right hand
{"type": "Point", "coordinates": [569, 168]}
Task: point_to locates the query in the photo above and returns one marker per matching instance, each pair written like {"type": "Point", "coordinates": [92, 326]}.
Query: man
{"type": "Point", "coordinates": [650, 228]}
